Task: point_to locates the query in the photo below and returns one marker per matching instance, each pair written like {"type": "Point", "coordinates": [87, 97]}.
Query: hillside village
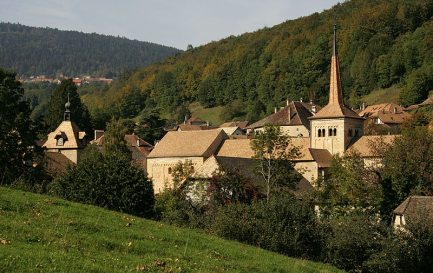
{"type": "Point", "coordinates": [300, 147]}
{"type": "Point", "coordinates": [319, 132]}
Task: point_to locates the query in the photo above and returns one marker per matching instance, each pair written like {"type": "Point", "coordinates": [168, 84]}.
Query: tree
{"type": "Point", "coordinates": [407, 167]}
{"type": "Point", "coordinates": [150, 126]}
{"type": "Point", "coordinates": [114, 142]}
{"type": "Point", "coordinates": [274, 152]}
{"type": "Point", "coordinates": [109, 181]}
{"type": "Point", "coordinates": [56, 108]}
{"type": "Point", "coordinates": [349, 187]}
{"type": "Point", "coordinates": [17, 130]}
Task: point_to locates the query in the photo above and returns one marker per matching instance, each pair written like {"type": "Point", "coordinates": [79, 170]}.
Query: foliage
{"type": "Point", "coordinates": [114, 139]}
{"type": "Point", "coordinates": [408, 251]}
{"type": "Point", "coordinates": [17, 131]}
{"type": "Point", "coordinates": [150, 126]}
{"type": "Point", "coordinates": [419, 84]}
{"type": "Point", "coordinates": [107, 180]}
{"type": "Point", "coordinates": [284, 224]}
{"type": "Point", "coordinates": [83, 238]}
{"type": "Point", "coordinates": [274, 152]}
{"type": "Point", "coordinates": [407, 167]}
{"type": "Point", "coordinates": [381, 44]}
{"type": "Point", "coordinates": [47, 51]}
{"type": "Point", "coordinates": [349, 186]}
{"type": "Point", "coordinates": [56, 108]}
{"type": "Point", "coordinates": [352, 240]}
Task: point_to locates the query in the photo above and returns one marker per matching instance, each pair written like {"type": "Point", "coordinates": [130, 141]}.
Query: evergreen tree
{"type": "Point", "coordinates": [17, 134]}
{"type": "Point", "coordinates": [56, 108]}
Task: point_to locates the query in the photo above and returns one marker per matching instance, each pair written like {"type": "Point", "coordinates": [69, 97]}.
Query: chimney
{"type": "Point", "coordinates": [207, 123]}
{"type": "Point", "coordinates": [98, 134]}
{"type": "Point", "coordinates": [363, 106]}
{"type": "Point", "coordinates": [300, 100]}
{"type": "Point", "coordinates": [275, 110]}
{"type": "Point", "coordinates": [313, 109]}
{"type": "Point", "coordinates": [395, 110]}
{"type": "Point", "coordinates": [185, 118]}
{"type": "Point", "coordinates": [287, 102]}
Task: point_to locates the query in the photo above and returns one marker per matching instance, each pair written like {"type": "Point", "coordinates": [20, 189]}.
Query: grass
{"type": "Point", "coordinates": [44, 234]}
{"type": "Point", "coordinates": [391, 94]}
{"type": "Point", "coordinates": [213, 115]}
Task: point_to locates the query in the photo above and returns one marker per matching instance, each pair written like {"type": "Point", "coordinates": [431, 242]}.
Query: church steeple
{"type": "Point", "coordinates": [67, 114]}
{"type": "Point", "coordinates": [335, 87]}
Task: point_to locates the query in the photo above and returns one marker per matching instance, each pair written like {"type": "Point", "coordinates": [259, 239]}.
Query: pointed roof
{"type": "Point", "coordinates": [335, 107]}
{"type": "Point", "coordinates": [71, 134]}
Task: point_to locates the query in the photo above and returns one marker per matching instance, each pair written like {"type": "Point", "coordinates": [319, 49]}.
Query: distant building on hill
{"type": "Point", "coordinates": [384, 118]}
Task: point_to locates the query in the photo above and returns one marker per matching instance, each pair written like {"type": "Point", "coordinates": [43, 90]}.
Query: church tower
{"type": "Point", "coordinates": [335, 126]}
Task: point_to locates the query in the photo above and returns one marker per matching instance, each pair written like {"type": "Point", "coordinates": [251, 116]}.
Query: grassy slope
{"type": "Point", "coordinates": [391, 94]}
{"type": "Point", "coordinates": [213, 115]}
{"type": "Point", "coordinates": [44, 234]}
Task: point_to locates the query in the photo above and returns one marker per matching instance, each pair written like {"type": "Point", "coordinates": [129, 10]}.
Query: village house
{"type": "Point", "coordinates": [292, 119]}
{"type": "Point", "coordinates": [384, 118]}
{"type": "Point", "coordinates": [64, 145]}
{"type": "Point", "coordinates": [180, 146]}
{"type": "Point", "coordinates": [413, 209]}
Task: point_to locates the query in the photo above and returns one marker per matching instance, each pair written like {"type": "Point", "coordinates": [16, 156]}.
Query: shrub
{"type": "Point", "coordinates": [109, 181]}
{"type": "Point", "coordinates": [284, 224]}
{"type": "Point", "coordinates": [352, 240]}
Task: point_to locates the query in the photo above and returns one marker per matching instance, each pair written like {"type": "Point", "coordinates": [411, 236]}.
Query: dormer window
{"type": "Point", "coordinates": [60, 141]}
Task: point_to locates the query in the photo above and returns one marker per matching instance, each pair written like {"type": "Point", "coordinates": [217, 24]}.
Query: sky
{"type": "Point", "coordinates": [174, 23]}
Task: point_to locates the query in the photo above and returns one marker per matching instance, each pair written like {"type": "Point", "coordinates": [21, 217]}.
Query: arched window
{"type": "Point", "coordinates": [330, 132]}
{"type": "Point", "coordinates": [169, 170]}
{"type": "Point", "coordinates": [335, 131]}
{"type": "Point", "coordinates": [323, 132]}
{"type": "Point", "coordinates": [319, 133]}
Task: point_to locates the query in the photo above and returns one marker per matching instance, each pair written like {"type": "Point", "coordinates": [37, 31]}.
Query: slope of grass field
{"type": "Point", "coordinates": [44, 234]}
{"type": "Point", "coordinates": [391, 94]}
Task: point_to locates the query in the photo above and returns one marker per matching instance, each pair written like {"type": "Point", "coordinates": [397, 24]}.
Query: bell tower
{"type": "Point", "coordinates": [335, 126]}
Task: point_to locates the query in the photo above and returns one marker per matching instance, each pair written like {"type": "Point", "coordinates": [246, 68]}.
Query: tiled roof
{"type": "Point", "coordinates": [363, 145]}
{"type": "Point", "coordinates": [131, 140]}
{"type": "Point", "coordinates": [299, 114]}
{"type": "Point", "coordinates": [230, 130]}
{"type": "Point", "coordinates": [240, 124]}
{"type": "Point", "coordinates": [416, 207]}
{"type": "Point", "coordinates": [73, 138]}
{"type": "Point", "coordinates": [191, 127]}
{"type": "Point", "coordinates": [322, 156]}
{"type": "Point", "coordinates": [57, 163]}
{"type": "Point", "coordinates": [188, 143]}
{"type": "Point", "coordinates": [239, 148]}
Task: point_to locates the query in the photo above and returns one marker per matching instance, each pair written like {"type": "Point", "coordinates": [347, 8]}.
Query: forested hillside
{"type": "Point", "coordinates": [382, 43]}
{"type": "Point", "coordinates": [47, 51]}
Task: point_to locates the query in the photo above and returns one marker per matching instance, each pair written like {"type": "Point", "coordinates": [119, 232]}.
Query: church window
{"type": "Point", "coordinates": [169, 170]}
{"type": "Point", "coordinates": [330, 132]}
{"type": "Point", "coordinates": [323, 132]}
{"type": "Point", "coordinates": [319, 133]}
{"type": "Point", "coordinates": [335, 132]}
